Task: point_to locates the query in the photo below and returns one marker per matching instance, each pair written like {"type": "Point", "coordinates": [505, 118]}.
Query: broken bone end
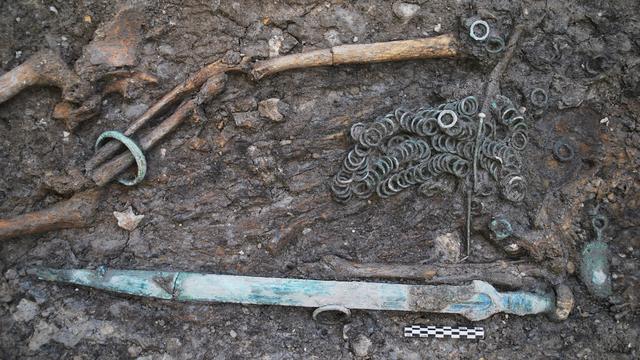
{"type": "Point", "coordinates": [564, 303]}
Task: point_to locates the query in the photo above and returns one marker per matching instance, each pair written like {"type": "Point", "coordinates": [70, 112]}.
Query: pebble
{"type": "Point", "coordinates": [332, 37]}
{"type": "Point", "coordinates": [127, 219]}
{"type": "Point", "coordinates": [233, 334]}
{"type": "Point", "coordinates": [247, 120]}
{"type": "Point", "coordinates": [173, 344]}
{"type": "Point", "coordinates": [404, 10]}
{"type": "Point", "coordinates": [11, 274]}
{"type": "Point", "coordinates": [275, 44]}
{"type": "Point", "coordinates": [447, 247]}
{"type": "Point", "coordinates": [270, 109]}
{"type": "Point", "coordinates": [42, 334]}
{"type": "Point", "coordinates": [166, 50]}
{"type": "Point", "coordinates": [25, 311]}
{"type": "Point", "coordinates": [361, 346]}
{"type": "Point", "coordinates": [242, 104]}
{"type": "Point", "coordinates": [134, 350]}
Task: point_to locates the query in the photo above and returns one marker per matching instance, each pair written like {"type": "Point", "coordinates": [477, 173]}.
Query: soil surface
{"type": "Point", "coordinates": [232, 191]}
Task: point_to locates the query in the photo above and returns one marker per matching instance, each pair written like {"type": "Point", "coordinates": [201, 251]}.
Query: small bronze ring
{"type": "Point", "coordinates": [559, 146]}
{"type": "Point", "coordinates": [494, 44]}
{"type": "Point", "coordinates": [135, 150]}
{"type": "Point", "coordinates": [344, 316]}
{"type": "Point", "coordinates": [539, 97]}
{"type": "Point", "coordinates": [472, 30]}
{"type": "Point", "coordinates": [454, 118]}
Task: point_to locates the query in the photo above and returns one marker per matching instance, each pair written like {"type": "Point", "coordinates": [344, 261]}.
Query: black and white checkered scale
{"type": "Point", "coordinates": [444, 331]}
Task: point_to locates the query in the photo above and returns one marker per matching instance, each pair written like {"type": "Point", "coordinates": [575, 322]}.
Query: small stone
{"type": "Point", "coordinates": [6, 293]}
{"type": "Point", "coordinates": [288, 43]}
{"type": "Point", "coordinates": [134, 350]}
{"type": "Point", "coordinates": [166, 50]}
{"type": "Point", "coordinates": [361, 346]}
{"type": "Point", "coordinates": [571, 267]}
{"type": "Point", "coordinates": [173, 344]}
{"type": "Point", "coordinates": [42, 334]}
{"type": "Point", "coordinates": [405, 11]}
{"type": "Point", "coordinates": [53, 9]}
{"type": "Point", "coordinates": [333, 37]}
{"type": "Point", "coordinates": [247, 120]}
{"type": "Point", "coordinates": [198, 144]}
{"type": "Point", "coordinates": [446, 247]}
{"type": "Point", "coordinates": [270, 109]}
{"type": "Point", "coordinates": [87, 19]}
{"type": "Point", "coordinates": [242, 104]}
{"type": "Point", "coordinates": [437, 28]}
{"type": "Point", "coordinates": [25, 311]}
{"type": "Point", "coordinates": [275, 44]}
{"type": "Point", "coordinates": [233, 334]}
{"type": "Point", "coordinates": [11, 274]}
{"type": "Point", "coordinates": [127, 219]}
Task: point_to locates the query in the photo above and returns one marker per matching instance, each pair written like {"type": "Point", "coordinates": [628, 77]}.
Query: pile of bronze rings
{"type": "Point", "coordinates": [433, 148]}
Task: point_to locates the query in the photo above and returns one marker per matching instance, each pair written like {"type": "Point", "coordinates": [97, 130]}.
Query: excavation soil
{"type": "Point", "coordinates": [235, 192]}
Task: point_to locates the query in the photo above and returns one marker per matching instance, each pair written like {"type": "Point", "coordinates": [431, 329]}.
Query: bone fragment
{"type": "Point", "coordinates": [76, 212]}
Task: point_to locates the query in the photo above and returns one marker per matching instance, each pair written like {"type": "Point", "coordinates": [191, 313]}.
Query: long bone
{"type": "Point", "coordinates": [43, 68]}
{"type": "Point", "coordinates": [511, 274]}
{"type": "Point", "coordinates": [78, 211]}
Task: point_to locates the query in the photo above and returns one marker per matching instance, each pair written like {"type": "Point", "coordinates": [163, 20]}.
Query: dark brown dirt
{"type": "Point", "coordinates": [231, 192]}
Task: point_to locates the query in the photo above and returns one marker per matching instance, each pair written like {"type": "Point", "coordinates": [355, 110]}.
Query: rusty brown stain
{"type": "Point", "coordinates": [116, 43]}
{"type": "Point", "coordinates": [584, 148]}
{"type": "Point", "coordinates": [552, 163]}
{"type": "Point", "coordinates": [62, 110]}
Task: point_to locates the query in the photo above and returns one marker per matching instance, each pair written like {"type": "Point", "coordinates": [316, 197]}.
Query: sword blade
{"type": "Point", "coordinates": [475, 301]}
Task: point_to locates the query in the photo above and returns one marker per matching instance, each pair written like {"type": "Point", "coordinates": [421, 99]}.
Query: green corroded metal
{"type": "Point", "coordinates": [135, 150]}
{"type": "Point", "coordinates": [501, 228]}
{"type": "Point", "coordinates": [594, 265]}
{"type": "Point", "coordinates": [594, 269]}
{"type": "Point", "coordinates": [476, 301]}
